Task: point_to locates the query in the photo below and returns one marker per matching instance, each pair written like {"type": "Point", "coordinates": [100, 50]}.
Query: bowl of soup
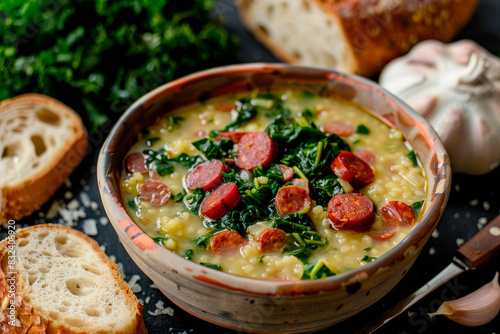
{"type": "Point", "coordinates": [270, 197]}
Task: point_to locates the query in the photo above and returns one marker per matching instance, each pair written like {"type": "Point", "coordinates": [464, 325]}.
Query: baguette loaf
{"type": "Point", "coordinates": [355, 36]}
{"type": "Point", "coordinates": [63, 283]}
{"type": "Point", "coordinates": [41, 143]}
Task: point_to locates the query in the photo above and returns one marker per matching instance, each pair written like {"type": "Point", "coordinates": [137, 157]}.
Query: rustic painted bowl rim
{"type": "Point", "coordinates": [427, 223]}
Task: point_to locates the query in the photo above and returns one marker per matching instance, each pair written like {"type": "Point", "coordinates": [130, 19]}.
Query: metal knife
{"type": "Point", "coordinates": [481, 248]}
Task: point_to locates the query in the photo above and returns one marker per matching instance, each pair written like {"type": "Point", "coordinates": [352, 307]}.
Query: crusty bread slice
{"type": "Point", "coordinates": [64, 283]}
{"type": "Point", "coordinates": [41, 143]}
{"type": "Point", "coordinates": [356, 36]}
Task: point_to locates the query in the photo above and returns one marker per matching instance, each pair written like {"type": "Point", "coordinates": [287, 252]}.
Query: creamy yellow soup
{"type": "Point", "coordinates": [397, 177]}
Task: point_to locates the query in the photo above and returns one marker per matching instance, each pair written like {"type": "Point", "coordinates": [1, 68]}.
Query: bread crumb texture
{"type": "Point", "coordinates": [66, 284]}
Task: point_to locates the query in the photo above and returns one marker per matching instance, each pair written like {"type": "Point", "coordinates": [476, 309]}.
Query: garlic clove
{"type": "Point", "coordinates": [475, 309]}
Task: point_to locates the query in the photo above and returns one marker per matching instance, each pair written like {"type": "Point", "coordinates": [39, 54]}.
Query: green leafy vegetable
{"type": "Point", "coordinates": [316, 270]}
{"type": "Point", "coordinates": [161, 240]}
{"type": "Point", "coordinates": [215, 150]}
{"type": "Point", "coordinates": [413, 157]}
{"type": "Point", "coordinates": [152, 141]}
{"type": "Point", "coordinates": [180, 196]}
{"type": "Point", "coordinates": [213, 266]}
{"type": "Point", "coordinates": [160, 162]}
{"type": "Point", "coordinates": [173, 121]}
{"type": "Point", "coordinates": [189, 254]}
{"type": "Point", "coordinates": [193, 200]}
{"type": "Point", "coordinates": [132, 205]}
{"type": "Point", "coordinates": [361, 129]}
{"type": "Point", "coordinates": [246, 112]}
{"type": "Point", "coordinates": [102, 55]}
{"type": "Point", "coordinates": [367, 258]}
{"type": "Point", "coordinates": [418, 205]}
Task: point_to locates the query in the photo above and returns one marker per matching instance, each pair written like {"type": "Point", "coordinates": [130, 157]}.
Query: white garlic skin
{"type": "Point", "coordinates": [475, 309]}
{"type": "Point", "coordinates": [456, 87]}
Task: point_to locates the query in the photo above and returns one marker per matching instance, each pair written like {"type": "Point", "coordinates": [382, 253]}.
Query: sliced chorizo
{"type": "Point", "coordinates": [234, 136]}
{"type": "Point", "coordinates": [341, 129]}
{"type": "Point", "coordinates": [399, 213]}
{"type": "Point", "coordinates": [394, 214]}
{"type": "Point", "coordinates": [352, 169]}
{"type": "Point", "coordinates": [367, 156]}
{"type": "Point", "coordinates": [135, 163]}
{"type": "Point", "coordinates": [226, 107]}
{"type": "Point", "coordinates": [155, 193]}
{"type": "Point", "coordinates": [352, 211]}
{"type": "Point", "coordinates": [292, 199]}
{"type": "Point", "coordinates": [220, 201]}
{"type": "Point", "coordinates": [226, 243]}
{"type": "Point", "coordinates": [287, 172]}
{"type": "Point", "coordinates": [255, 149]}
{"type": "Point", "coordinates": [206, 176]}
{"type": "Point", "coordinates": [272, 240]}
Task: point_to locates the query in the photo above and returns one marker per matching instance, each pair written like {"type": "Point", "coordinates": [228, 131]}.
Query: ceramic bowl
{"type": "Point", "coordinates": [259, 305]}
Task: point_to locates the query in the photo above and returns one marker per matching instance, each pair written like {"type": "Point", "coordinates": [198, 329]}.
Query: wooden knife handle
{"type": "Point", "coordinates": [483, 247]}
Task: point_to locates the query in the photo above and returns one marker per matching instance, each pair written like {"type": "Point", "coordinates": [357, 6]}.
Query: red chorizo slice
{"type": "Point", "coordinates": [292, 199]}
{"type": "Point", "coordinates": [287, 172]}
{"type": "Point", "coordinates": [351, 212]}
{"type": "Point", "coordinates": [226, 107]}
{"type": "Point", "coordinates": [226, 243]}
{"type": "Point", "coordinates": [398, 213]}
{"type": "Point", "coordinates": [341, 129]}
{"type": "Point", "coordinates": [272, 240]}
{"type": "Point", "coordinates": [302, 183]}
{"type": "Point", "coordinates": [135, 163]}
{"type": "Point", "coordinates": [367, 156]}
{"type": "Point", "coordinates": [255, 149]}
{"type": "Point", "coordinates": [155, 193]}
{"type": "Point", "coordinates": [234, 136]}
{"type": "Point", "coordinates": [206, 176]}
{"type": "Point", "coordinates": [352, 169]}
{"type": "Point", "coordinates": [220, 201]}
{"type": "Point", "coordinates": [394, 214]}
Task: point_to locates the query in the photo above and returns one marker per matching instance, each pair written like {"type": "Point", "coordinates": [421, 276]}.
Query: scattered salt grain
{"type": "Point", "coordinates": [67, 183]}
{"type": "Point", "coordinates": [73, 205]}
{"type": "Point", "coordinates": [89, 227]}
{"type": "Point", "coordinates": [140, 301]}
{"type": "Point", "coordinates": [435, 234]}
{"type": "Point", "coordinates": [94, 206]}
{"type": "Point", "coordinates": [68, 195]}
{"type": "Point", "coordinates": [160, 309]}
{"type": "Point", "coordinates": [103, 221]}
{"type": "Point", "coordinates": [486, 205]}
{"type": "Point", "coordinates": [482, 220]}
{"type": "Point", "coordinates": [456, 215]}
{"type": "Point", "coordinates": [136, 288]}
{"type": "Point", "coordinates": [153, 286]}
{"type": "Point", "coordinates": [86, 187]}
{"type": "Point", "coordinates": [54, 207]}
{"type": "Point", "coordinates": [432, 251]}
{"type": "Point", "coordinates": [112, 258]}
{"type": "Point", "coordinates": [457, 188]}
{"type": "Point", "coordinates": [84, 197]}
{"type": "Point", "coordinates": [460, 242]}
{"type": "Point", "coordinates": [83, 182]}
{"type": "Point", "coordinates": [474, 202]}
{"type": "Point", "coordinates": [148, 298]}
{"type": "Point", "coordinates": [40, 214]}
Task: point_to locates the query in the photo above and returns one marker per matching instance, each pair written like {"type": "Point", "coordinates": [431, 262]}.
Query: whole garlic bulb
{"type": "Point", "coordinates": [456, 87]}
